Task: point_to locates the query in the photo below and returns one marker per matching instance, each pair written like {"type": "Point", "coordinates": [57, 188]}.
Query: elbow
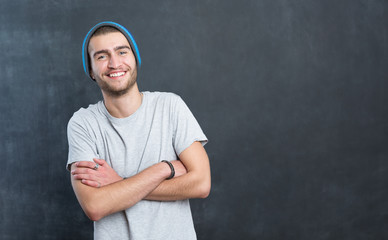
{"type": "Point", "coordinates": [203, 186]}
{"type": "Point", "coordinates": [93, 216]}
{"type": "Point", "coordinates": [93, 212]}
{"type": "Point", "coordinates": [204, 194]}
{"type": "Point", "coordinates": [204, 190]}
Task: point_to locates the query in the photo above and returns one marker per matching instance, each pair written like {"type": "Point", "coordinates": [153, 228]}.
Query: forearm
{"type": "Point", "coordinates": [184, 187]}
{"type": "Point", "coordinates": [100, 202]}
{"type": "Point", "coordinates": [195, 183]}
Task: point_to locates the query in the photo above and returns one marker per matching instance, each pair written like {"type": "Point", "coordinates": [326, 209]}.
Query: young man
{"type": "Point", "coordinates": [135, 157]}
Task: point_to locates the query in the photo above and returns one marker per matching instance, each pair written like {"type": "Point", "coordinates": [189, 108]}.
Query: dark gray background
{"type": "Point", "coordinates": [291, 94]}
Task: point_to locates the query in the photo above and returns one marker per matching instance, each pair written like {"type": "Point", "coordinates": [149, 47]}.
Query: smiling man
{"type": "Point", "coordinates": [135, 157]}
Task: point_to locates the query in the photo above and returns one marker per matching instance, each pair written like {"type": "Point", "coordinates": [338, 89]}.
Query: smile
{"type": "Point", "coordinates": [117, 74]}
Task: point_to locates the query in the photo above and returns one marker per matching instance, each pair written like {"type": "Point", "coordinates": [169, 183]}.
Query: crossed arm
{"type": "Point", "coordinates": [117, 194]}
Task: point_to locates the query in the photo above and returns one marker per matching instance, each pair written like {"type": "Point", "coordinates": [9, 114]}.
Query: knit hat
{"type": "Point", "coordinates": [123, 30]}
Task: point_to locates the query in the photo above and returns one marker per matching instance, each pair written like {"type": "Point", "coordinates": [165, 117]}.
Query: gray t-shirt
{"type": "Point", "coordinates": [160, 129]}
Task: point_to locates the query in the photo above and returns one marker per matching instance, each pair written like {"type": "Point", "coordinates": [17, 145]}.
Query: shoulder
{"type": "Point", "coordinates": [86, 115]}
{"type": "Point", "coordinates": [161, 95]}
{"type": "Point", "coordinates": [163, 98]}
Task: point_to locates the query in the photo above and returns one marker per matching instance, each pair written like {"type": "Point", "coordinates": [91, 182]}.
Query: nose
{"type": "Point", "coordinates": [114, 62]}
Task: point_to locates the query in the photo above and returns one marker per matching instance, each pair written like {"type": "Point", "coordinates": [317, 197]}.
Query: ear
{"type": "Point", "coordinates": [92, 75]}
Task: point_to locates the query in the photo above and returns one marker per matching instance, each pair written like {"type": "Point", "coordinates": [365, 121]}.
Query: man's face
{"type": "Point", "coordinates": [113, 63]}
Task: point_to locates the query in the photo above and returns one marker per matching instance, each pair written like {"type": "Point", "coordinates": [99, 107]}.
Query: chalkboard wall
{"type": "Point", "coordinates": [292, 95]}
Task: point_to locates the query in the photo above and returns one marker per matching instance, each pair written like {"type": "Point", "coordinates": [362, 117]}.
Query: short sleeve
{"type": "Point", "coordinates": [81, 145]}
{"type": "Point", "coordinates": [186, 128]}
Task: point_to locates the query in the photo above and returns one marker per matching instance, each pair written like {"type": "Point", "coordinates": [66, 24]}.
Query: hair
{"type": "Point", "coordinates": [104, 30]}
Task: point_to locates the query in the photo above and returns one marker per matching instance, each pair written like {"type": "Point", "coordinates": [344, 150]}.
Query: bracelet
{"type": "Point", "coordinates": [172, 169]}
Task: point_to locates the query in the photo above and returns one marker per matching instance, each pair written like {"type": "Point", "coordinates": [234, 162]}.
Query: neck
{"type": "Point", "coordinates": [125, 105]}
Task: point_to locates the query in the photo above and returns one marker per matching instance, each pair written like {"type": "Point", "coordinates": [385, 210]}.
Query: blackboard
{"type": "Point", "coordinates": [291, 94]}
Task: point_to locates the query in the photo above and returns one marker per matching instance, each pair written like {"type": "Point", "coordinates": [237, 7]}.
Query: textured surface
{"type": "Point", "coordinates": [291, 94]}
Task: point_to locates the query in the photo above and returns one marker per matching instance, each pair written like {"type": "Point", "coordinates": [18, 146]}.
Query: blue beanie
{"type": "Point", "coordinates": [123, 30]}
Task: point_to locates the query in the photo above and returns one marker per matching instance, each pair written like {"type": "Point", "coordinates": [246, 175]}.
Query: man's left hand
{"type": "Point", "coordinates": [95, 174]}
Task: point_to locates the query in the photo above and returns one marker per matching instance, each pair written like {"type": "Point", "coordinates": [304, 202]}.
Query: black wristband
{"type": "Point", "coordinates": [172, 169]}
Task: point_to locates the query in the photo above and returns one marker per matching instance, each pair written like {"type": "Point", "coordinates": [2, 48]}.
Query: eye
{"type": "Point", "coordinates": [101, 57]}
{"type": "Point", "coordinates": [123, 52]}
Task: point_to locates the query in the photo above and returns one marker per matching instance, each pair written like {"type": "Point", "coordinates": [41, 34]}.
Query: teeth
{"type": "Point", "coordinates": [116, 74]}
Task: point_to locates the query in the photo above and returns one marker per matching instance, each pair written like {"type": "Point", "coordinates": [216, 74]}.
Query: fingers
{"type": "Point", "coordinates": [99, 161]}
{"type": "Point", "coordinates": [83, 170]}
{"type": "Point", "coordinates": [85, 164]}
{"type": "Point", "coordinates": [88, 179]}
{"type": "Point", "coordinates": [81, 173]}
{"type": "Point", "coordinates": [88, 164]}
{"type": "Point", "coordinates": [94, 174]}
{"type": "Point", "coordinates": [91, 183]}
{"type": "Point", "coordinates": [84, 176]}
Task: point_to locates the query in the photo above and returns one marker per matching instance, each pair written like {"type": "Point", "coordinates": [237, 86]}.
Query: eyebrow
{"type": "Point", "coordinates": [116, 48]}
{"type": "Point", "coordinates": [122, 47]}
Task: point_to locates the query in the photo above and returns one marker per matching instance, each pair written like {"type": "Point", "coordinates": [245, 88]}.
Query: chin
{"type": "Point", "coordinates": [115, 91]}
